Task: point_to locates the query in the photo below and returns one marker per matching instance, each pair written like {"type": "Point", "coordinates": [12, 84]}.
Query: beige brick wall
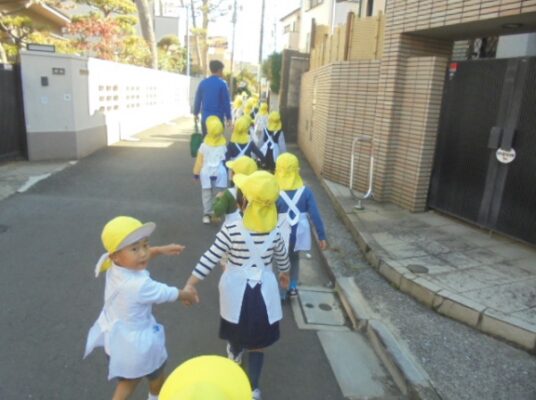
{"type": "Point", "coordinates": [397, 99]}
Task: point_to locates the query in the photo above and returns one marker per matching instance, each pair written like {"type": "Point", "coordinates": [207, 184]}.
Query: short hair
{"type": "Point", "coordinates": [215, 66]}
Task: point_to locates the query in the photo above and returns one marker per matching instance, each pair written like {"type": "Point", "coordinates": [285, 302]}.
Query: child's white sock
{"type": "Point", "coordinates": [152, 397]}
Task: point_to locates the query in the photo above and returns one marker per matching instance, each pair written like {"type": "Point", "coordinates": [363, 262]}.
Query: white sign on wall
{"type": "Point", "coordinates": [506, 156]}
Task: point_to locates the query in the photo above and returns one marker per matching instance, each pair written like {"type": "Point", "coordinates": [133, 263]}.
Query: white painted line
{"type": "Point", "coordinates": [32, 180]}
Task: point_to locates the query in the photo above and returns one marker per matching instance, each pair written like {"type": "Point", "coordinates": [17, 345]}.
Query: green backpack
{"type": "Point", "coordinates": [195, 140]}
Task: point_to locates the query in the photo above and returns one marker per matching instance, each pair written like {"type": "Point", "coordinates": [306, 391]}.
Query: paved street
{"type": "Point", "coordinates": [50, 240]}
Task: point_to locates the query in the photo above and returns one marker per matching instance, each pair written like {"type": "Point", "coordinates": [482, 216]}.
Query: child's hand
{"type": "Point", "coordinates": [220, 194]}
{"type": "Point", "coordinates": [284, 279]}
{"type": "Point", "coordinates": [323, 244]}
{"type": "Point", "coordinates": [188, 295]}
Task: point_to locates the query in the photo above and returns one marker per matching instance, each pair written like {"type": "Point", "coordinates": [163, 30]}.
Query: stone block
{"type": "Point", "coordinates": [458, 307]}
{"type": "Point", "coordinates": [510, 328]}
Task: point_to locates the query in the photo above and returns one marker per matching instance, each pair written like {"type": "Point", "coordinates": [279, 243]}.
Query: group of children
{"type": "Point", "coordinates": [266, 224]}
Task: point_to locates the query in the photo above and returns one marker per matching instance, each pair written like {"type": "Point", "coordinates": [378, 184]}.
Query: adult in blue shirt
{"type": "Point", "coordinates": [212, 97]}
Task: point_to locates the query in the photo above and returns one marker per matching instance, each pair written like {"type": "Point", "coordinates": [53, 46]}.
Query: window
{"type": "Point", "coordinates": [314, 3]}
{"type": "Point", "coordinates": [370, 8]}
{"type": "Point", "coordinates": [286, 29]}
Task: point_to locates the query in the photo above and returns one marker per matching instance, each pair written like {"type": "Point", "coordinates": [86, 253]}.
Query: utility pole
{"type": "Point", "coordinates": [232, 50]}
{"type": "Point", "coordinates": [260, 46]}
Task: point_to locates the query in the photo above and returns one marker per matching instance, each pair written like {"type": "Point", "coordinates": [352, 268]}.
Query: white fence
{"type": "Point", "coordinates": [75, 105]}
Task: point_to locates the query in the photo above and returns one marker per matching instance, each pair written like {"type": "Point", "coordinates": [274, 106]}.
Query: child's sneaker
{"type": "Point", "coordinates": [206, 219]}
{"type": "Point", "coordinates": [293, 292]}
{"type": "Point", "coordinates": [231, 356]}
{"type": "Point", "coordinates": [256, 394]}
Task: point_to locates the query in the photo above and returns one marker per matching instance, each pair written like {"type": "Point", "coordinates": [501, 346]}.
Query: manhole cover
{"type": "Point", "coordinates": [417, 269]}
{"type": "Point", "coordinates": [321, 307]}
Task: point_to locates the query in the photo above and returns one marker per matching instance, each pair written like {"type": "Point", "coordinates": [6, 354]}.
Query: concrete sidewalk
{"type": "Point", "coordinates": [483, 280]}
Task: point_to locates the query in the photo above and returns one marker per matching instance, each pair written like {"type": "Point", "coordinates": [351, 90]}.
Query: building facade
{"type": "Point", "coordinates": [395, 102]}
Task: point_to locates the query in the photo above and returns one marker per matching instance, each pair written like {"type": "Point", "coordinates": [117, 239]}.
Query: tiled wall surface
{"type": "Point", "coordinates": [397, 99]}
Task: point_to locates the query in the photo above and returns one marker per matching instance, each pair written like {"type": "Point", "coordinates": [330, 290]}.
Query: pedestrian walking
{"type": "Point", "coordinates": [212, 97]}
{"type": "Point", "coordinates": [296, 204]}
{"type": "Point", "coordinates": [225, 204]}
{"type": "Point", "coordinates": [273, 141]}
{"type": "Point", "coordinates": [241, 143]}
{"type": "Point", "coordinates": [250, 307]}
{"type": "Point", "coordinates": [209, 165]}
{"type": "Point", "coordinates": [132, 339]}
{"type": "Point", "coordinates": [261, 123]}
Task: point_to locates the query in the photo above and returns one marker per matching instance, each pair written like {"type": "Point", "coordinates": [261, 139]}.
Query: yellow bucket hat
{"type": "Point", "coordinates": [242, 165]}
{"type": "Point", "coordinates": [237, 103]}
{"type": "Point", "coordinates": [263, 110]}
{"type": "Point", "coordinates": [241, 130]}
{"type": "Point", "coordinates": [214, 137]}
{"type": "Point", "coordinates": [248, 108]}
{"type": "Point", "coordinates": [119, 233]}
{"type": "Point", "coordinates": [207, 378]}
{"type": "Point", "coordinates": [274, 121]}
{"type": "Point", "coordinates": [287, 172]}
{"type": "Point", "coordinates": [261, 190]}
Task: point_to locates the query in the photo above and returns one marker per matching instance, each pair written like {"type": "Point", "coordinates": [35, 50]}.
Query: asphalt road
{"type": "Point", "coordinates": [50, 242]}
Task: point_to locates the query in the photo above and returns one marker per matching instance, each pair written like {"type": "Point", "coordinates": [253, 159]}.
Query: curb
{"type": "Point", "coordinates": [407, 374]}
{"type": "Point", "coordinates": [513, 330]}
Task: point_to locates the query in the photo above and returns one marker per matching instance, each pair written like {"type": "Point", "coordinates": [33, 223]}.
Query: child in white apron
{"type": "Point", "coordinates": [225, 203]}
{"type": "Point", "coordinates": [209, 165]}
{"type": "Point", "coordinates": [273, 141]}
{"type": "Point", "coordinates": [250, 307]}
{"type": "Point", "coordinates": [241, 143]}
{"type": "Point", "coordinates": [260, 124]}
{"type": "Point", "coordinates": [296, 205]}
{"type": "Point", "coordinates": [132, 339]}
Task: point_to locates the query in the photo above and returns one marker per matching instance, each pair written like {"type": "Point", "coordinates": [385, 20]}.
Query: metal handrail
{"type": "Point", "coordinates": [369, 193]}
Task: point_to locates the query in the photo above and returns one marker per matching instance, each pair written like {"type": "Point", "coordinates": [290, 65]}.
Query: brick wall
{"type": "Point", "coordinates": [397, 99]}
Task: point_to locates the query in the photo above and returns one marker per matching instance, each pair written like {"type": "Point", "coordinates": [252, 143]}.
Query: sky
{"type": "Point", "coordinates": [247, 36]}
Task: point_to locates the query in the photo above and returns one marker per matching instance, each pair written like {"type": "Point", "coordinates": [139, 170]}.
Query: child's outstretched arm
{"type": "Point", "coordinates": [171, 249]}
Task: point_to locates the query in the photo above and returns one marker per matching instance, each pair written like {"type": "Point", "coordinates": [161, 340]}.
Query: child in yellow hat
{"type": "Point", "coordinates": [241, 143]}
{"type": "Point", "coordinates": [250, 307]}
{"type": "Point", "coordinates": [261, 122]}
{"type": "Point", "coordinates": [126, 328]}
{"type": "Point", "coordinates": [209, 165]}
{"type": "Point", "coordinates": [225, 202]}
{"type": "Point", "coordinates": [273, 141]}
{"type": "Point", "coordinates": [296, 203]}
{"type": "Point", "coordinates": [237, 107]}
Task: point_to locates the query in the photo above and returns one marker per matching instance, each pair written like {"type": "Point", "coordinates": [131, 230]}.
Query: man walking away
{"type": "Point", "coordinates": [212, 97]}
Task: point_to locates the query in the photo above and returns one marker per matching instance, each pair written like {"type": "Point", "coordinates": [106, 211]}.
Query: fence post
{"type": "Point", "coordinates": [348, 37]}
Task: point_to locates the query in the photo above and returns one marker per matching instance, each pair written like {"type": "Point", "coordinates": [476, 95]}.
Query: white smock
{"type": "Point", "coordinates": [235, 279]}
{"type": "Point", "coordinates": [213, 158]}
{"type": "Point", "coordinates": [301, 219]}
{"type": "Point", "coordinates": [277, 147]}
{"type": "Point", "coordinates": [234, 216]}
{"type": "Point", "coordinates": [126, 328]}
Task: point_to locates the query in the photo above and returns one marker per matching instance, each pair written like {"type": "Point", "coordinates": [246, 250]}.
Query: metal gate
{"type": "Point", "coordinates": [12, 126]}
{"type": "Point", "coordinates": [485, 162]}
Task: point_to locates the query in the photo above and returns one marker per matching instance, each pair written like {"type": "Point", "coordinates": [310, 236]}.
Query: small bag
{"type": "Point", "coordinates": [195, 140]}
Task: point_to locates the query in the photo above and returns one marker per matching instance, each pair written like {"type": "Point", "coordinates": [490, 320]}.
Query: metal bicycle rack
{"type": "Point", "coordinates": [355, 160]}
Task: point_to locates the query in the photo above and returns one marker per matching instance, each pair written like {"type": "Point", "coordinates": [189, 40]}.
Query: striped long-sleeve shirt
{"type": "Point", "coordinates": [229, 241]}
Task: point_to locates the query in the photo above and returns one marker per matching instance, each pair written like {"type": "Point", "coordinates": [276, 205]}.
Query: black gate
{"type": "Point", "coordinates": [12, 126]}
{"type": "Point", "coordinates": [485, 162]}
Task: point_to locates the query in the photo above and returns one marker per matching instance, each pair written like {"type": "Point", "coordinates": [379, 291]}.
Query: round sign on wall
{"type": "Point", "coordinates": [506, 156]}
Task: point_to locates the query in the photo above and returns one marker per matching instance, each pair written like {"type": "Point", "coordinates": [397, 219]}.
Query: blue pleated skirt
{"type": "Point", "coordinates": [253, 330]}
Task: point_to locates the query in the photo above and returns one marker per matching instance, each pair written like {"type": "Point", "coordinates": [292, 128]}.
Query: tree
{"type": "Point", "coordinates": [20, 30]}
{"type": "Point", "coordinates": [147, 29]}
{"type": "Point", "coordinates": [208, 11]}
{"type": "Point", "coordinates": [108, 32]}
{"type": "Point", "coordinates": [171, 56]}
{"type": "Point", "coordinates": [271, 69]}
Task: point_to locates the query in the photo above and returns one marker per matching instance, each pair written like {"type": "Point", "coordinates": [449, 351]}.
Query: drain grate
{"type": "Point", "coordinates": [321, 307]}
